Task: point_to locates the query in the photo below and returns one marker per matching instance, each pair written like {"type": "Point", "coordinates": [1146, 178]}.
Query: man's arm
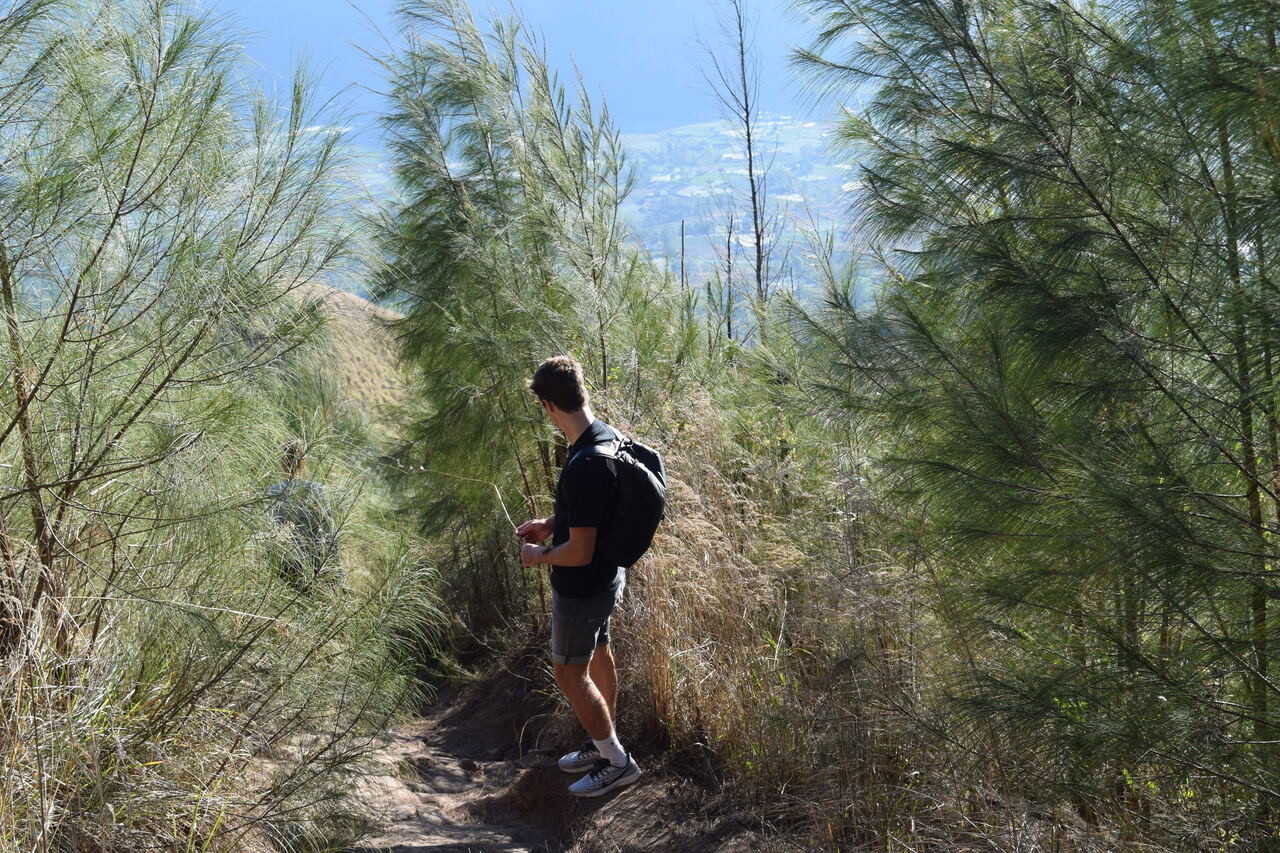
{"type": "Point", "coordinates": [588, 486]}
{"type": "Point", "coordinates": [576, 552]}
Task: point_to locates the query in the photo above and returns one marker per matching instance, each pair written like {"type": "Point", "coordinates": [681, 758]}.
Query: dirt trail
{"type": "Point", "coordinates": [453, 803]}
{"type": "Point", "coordinates": [478, 773]}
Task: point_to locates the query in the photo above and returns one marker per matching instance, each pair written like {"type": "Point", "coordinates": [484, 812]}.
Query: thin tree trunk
{"type": "Point", "coordinates": [684, 280]}
{"type": "Point", "coordinates": [22, 400]}
{"type": "Point", "coordinates": [755, 182]}
{"type": "Point", "coordinates": [1257, 603]}
{"type": "Point", "coordinates": [728, 281]}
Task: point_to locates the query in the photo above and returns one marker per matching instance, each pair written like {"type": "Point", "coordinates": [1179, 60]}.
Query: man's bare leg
{"type": "Point", "coordinates": [605, 677]}
{"type": "Point", "coordinates": [585, 697]}
{"type": "Point", "coordinates": [614, 767]}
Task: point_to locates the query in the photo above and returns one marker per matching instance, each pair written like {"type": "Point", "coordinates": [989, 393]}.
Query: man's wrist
{"type": "Point", "coordinates": [546, 549]}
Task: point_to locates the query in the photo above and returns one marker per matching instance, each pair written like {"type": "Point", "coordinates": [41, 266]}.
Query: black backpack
{"type": "Point", "coordinates": [642, 497]}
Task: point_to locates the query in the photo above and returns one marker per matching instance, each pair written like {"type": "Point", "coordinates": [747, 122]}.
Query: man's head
{"type": "Point", "coordinates": [293, 457]}
{"type": "Point", "coordinates": [558, 385]}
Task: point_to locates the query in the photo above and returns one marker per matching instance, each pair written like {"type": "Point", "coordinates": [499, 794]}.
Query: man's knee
{"type": "Point", "coordinates": [602, 659]}
{"type": "Point", "coordinates": [572, 677]}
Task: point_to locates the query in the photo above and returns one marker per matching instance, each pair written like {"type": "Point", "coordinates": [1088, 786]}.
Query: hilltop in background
{"type": "Point", "coordinates": [367, 369]}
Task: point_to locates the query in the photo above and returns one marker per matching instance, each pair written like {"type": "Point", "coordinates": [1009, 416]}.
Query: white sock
{"type": "Point", "coordinates": [611, 749]}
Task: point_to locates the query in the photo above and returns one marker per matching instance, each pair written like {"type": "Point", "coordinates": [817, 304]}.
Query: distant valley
{"type": "Point", "coordinates": [697, 174]}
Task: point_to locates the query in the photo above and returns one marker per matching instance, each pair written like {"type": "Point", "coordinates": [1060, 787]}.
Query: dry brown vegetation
{"type": "Point", "coordinates": [777, 651]}
{"type": "Point", "coordinates": [365, 363]}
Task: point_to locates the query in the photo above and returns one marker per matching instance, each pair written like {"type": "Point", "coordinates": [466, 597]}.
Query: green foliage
{"type": "Point", "coordinates": [508, 248]}
{"type": "Point", "coordinates": [163, 686]}
{"type": "Point", "coordinates": [1070, 371]}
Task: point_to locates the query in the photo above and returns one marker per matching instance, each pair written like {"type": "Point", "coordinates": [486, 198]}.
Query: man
{"type": "Point", "coordinates": [585, 588]}
{"type": "Point", "coordinates": [306, 538]}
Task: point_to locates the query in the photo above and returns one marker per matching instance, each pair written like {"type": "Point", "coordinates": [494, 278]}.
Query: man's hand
{"type": "Point", "coordinates": [532, 555]}
{"type": "Point", "coordinates": [535, 530]}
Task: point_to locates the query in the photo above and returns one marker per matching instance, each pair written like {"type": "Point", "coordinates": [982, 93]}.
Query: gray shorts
{"type": "Point", "coordinates": [578, 625]}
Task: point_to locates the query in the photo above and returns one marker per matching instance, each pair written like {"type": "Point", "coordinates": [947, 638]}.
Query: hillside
{"type": "Point", "coordinates": [366, 367]}
{"type": "Point", "coordinates": [696, 174]}
{"type": "Point", "coordinates": [694, 170]}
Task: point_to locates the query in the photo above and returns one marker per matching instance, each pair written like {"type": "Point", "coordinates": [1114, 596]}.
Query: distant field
{"type": "Point", "coordinates": [366, 367]}
{"type": "Point", "coordinates": [694, 174]}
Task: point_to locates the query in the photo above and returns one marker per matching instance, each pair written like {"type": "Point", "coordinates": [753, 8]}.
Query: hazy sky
{"type": "Point", "coordinates": [641, 54]}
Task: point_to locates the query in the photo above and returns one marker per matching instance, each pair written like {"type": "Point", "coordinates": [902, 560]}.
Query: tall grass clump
{"type": "Point", "coordinates": [163, 686]}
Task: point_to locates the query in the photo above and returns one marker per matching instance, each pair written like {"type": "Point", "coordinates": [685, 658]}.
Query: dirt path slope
{"type": "Point", "coordinates": [445, 802]}
{"type": "Point", "coordinates": [473, 775]}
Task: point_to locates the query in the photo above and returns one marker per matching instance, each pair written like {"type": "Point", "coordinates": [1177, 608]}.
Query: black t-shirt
{"type": "Point", "coordinates": [585, 497]}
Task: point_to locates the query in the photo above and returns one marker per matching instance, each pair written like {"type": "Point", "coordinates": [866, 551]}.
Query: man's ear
{"type": "Point", "coordinates": [549, 406]}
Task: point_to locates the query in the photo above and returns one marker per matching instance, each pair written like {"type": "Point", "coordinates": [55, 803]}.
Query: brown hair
{"type": "Point", "coordinates": [293, 456]}
{"type": "Point", "coordinates": [558, 380]}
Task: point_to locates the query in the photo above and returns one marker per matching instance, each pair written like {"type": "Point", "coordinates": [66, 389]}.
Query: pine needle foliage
{"type": "Point", "coordinates": [508, 247]}
{"type": "Point", "coordinates": [161, 686]}
{"type": "Point", "coordinates": [1070, 372]}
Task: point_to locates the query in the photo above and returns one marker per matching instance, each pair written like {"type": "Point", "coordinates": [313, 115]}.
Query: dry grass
{"type": "Point", "coordinates": [365, 365]}
{"type": "Point", "coordinates": [793, 667]}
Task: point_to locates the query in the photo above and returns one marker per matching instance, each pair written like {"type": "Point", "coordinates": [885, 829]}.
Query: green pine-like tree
{"type": "Point", "coordinates": [1070, 370]}
{"type": "Point", "coordinates": [508, 247]}
{"type": "Point", "coordinates": [161, 226]}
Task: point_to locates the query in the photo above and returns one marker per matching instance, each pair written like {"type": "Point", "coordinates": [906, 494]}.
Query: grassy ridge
{"type": "Point", "coordinates": [366, 366]}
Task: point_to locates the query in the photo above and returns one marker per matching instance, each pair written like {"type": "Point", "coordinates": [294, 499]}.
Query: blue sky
{"type": "Point", "coordinates": [641, 54]}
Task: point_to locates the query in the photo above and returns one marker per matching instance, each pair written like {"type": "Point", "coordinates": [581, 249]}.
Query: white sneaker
{"type": "Point", "coordinates": [605, 777]}
{"type": "Point", "coordinates": [580, 760]}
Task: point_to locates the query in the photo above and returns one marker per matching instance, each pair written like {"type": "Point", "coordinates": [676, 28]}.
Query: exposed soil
{"type": "Point", "coordinates": [478, 773]}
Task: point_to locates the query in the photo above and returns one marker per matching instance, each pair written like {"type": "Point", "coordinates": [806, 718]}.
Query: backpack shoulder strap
{"type": "Point", "coordinates": [607, 450]}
